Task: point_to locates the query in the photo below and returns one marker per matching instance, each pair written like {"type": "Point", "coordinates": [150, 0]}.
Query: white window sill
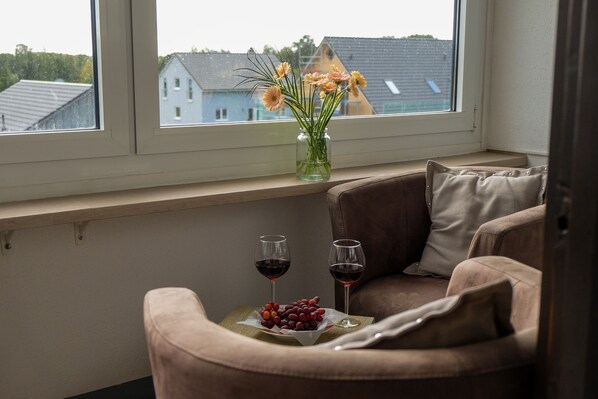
{"type": "Point", "coordinates": [88, 207]}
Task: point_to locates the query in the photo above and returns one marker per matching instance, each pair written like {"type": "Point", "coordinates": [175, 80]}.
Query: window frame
{"type": "Point", "coordinates": [131, 150]}
{"type": "Point", "coordinates": [112, 136]}
{"type": "Point", "coordinates": [221, 114]}
{"type": "Point", "coordinates": [346, 131]}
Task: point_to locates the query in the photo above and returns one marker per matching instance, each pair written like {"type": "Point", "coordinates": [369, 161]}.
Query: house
{"type": "Point", "coordinates": [403, 75]}
{"type": "Point", "coordinates": [206, 88]}
{"type": "Point", "coordinates": [31, 105]}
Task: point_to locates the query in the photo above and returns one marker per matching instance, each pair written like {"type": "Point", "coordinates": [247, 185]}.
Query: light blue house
{"type": "Point", "coordinates": [204, 88]}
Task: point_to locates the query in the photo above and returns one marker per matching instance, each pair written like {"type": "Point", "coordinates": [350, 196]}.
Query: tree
{"type": "Point", "coordinates": [419, 36]}
{"type": "Point", "coordinates": [295, 53]}
{"type": "Point", "coordinates": [27, 64]}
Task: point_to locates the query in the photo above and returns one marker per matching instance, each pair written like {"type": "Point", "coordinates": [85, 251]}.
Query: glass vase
{"type": "Point", "coordinates": [313, 156]}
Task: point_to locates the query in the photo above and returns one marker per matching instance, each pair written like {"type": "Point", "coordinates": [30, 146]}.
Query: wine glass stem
{"type": "Point", "coordinates": [347, 299]}
{"type": "Point", "coordinates": [273, 291]}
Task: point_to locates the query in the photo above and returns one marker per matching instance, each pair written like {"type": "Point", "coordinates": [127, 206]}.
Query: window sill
{"type": "Point", "coordinates": [88, 207]}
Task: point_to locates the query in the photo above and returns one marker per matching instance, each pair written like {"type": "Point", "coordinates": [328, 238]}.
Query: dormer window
{"type": "Point", "coordinates": [392, 87]}
{"type": "Point", "coordinates": [433, 86]}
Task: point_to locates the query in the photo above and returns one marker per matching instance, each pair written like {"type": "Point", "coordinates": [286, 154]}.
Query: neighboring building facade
{"type": "Point", "coordinates": [204, 88]}
{"type": "Point", "coordinates": [31, 105]}
{"type": "Point", "coordinates": [403, 75]}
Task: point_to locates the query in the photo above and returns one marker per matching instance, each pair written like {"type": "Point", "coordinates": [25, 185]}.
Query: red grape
{"type": "Point", "coordinates": [299, 315]}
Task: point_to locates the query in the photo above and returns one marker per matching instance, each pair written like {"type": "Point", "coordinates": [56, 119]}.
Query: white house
{"type": "Point", "coordinates": [205, 88]}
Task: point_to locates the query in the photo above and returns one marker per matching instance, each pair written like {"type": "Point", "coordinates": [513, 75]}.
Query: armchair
{"type": "Point", "coordinates": [388, 215]}
{"type": "Point", "coordinates": [192, 357]}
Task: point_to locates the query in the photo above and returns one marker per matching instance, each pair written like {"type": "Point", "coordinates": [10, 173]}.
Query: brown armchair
{"type": "Point", "coordinates": [388, 215]}
{"type": "Point", "coordinates": [191, 357]}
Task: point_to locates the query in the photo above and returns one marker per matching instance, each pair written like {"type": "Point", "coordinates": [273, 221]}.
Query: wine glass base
{"type": "Point", "coordinates": [348, 323]}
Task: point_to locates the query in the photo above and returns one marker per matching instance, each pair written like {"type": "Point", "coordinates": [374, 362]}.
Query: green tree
{"type": "Point", "coordinates": [7, 75]}
{"type": "Point", "coordinates": [419, 36]}
{"type": "Point", "coordinates": [163, 60]}
{"type": "Point", "coordinates": [293, 54]}
{"type": "Point", "coordinates": [27, 64]}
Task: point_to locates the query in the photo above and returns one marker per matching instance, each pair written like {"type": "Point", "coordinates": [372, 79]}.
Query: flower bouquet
{"type": "Point", "coordinates": [312, 98]}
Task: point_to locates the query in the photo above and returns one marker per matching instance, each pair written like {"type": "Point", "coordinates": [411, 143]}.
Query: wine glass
{"type": "Point", "coordinates": [272, 259]}
{"type": "Point", "coordinates": [347, 262]}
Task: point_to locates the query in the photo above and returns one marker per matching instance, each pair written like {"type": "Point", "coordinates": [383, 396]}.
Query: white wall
{"type": "Point", "coordinates": [521, 75]}
{"type": "Point", "coordinates": [71, 315]}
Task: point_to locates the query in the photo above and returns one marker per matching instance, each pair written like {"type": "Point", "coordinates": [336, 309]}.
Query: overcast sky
{"type": "Point", "coordinates": [233, 25]}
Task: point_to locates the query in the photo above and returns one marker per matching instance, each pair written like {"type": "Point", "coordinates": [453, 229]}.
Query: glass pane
{"type": "Point", "coordinates": [404, 51]}
{"type": "Point", "coordinates": [46, 66]}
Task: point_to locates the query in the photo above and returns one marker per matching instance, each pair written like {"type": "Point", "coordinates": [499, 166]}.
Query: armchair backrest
{"type": "Point", "coordinates": [387, 215]}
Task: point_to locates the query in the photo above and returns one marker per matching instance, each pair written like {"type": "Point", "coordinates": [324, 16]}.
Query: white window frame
{"type": "Point", "coordinates": [190, 90]}
{"type": "Point", "coordinates": [392, 87]}
{"type": "Point", "coordinates": [348, 133]}
{"type": "Point", "coordinates": [130, 153]}
{"type": "Point", "coordinates": [112, 138]}
{"type": "Point", "coordinates": [221, 114]}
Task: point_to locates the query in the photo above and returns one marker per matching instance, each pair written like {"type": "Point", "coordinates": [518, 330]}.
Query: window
{"type": "Point", "coordinates": [451, 111]}
{"type": "Point", "coordinates": [177, 83]}
{"type": "Point", "coordinates": [433, 86]}
{"type": "Point", "coordinates": [177, 113]}
{"type": "Point", "coordinates": [131, 91]}
{"type": "Point", "coordinates": [221, 114]}
{"type": "Point", "coordinates": [190, 91]}
{"type": "Point", "coordinates": [61, 67]}
{"type": "Point", "coordinates": [44, 86]}
{"type": "Point", "coordinates": [391, 86]}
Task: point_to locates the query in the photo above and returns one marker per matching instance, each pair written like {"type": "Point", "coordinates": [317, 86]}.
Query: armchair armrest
{"type": "Point", "coordinates": [387, 214]}
{"type": "Point", "coordinates": [526, 282]}
{"type": "Point", "coordinates": [518, 236]}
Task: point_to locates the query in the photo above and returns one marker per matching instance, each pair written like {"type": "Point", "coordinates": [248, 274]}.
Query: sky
{"type": "Point", "coordinates": [232, 25]}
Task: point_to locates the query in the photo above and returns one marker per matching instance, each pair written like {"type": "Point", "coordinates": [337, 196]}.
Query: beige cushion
{"type": "Point", "coordinates": [477, 314]}
{"type": "Point", "coordinates": [460, 200]}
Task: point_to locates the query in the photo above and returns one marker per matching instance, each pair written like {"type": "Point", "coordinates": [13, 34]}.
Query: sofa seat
{"type": "Point", "coordinates": [385, 296]}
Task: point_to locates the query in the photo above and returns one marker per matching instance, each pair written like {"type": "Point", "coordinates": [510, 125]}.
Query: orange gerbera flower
{"type": "Point", "coordinates": [338, 76]}
{"type": "Point", "coordinates": [273, 99]}
{"type": "Point", "coordinates": [356, 79]}
{"type": "Point", "coordinates": [282, 70]}
{"type": "Point", "coordinates": [328, 86]}
{"type": "Point", "coordinates": [314, 78]}
{"type": "Point", "coordinates": [359, 79]}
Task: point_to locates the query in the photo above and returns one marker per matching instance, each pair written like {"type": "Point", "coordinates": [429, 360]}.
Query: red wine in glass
{"type": "Point", "coordinates": [346, 263]}
{"type": "Point", "coordinates": [273, 268]}
{"type": "Point", "coordinates": [346, 273]}
{"type": "Point", "coordinates": [272, 259]}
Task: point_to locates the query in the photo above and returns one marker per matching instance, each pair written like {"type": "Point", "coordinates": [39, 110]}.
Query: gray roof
{"type": "Point", "coordinates": [405, 62]}
{"type": "Point", "coordinates": [28, 101]}
{"type": "Point", "coordinates": [217, 71]}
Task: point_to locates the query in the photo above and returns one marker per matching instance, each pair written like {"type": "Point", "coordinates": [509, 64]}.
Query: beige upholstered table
{"type": "Point", "coordinates": [243, 312]}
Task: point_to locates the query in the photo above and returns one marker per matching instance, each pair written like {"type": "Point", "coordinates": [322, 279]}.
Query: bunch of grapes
{"type": "Point", "coordinates": [301, 315]}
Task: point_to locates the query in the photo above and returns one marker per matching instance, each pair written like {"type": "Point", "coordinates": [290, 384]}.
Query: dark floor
{"type": "Point", "coordinates": [142, 388]}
